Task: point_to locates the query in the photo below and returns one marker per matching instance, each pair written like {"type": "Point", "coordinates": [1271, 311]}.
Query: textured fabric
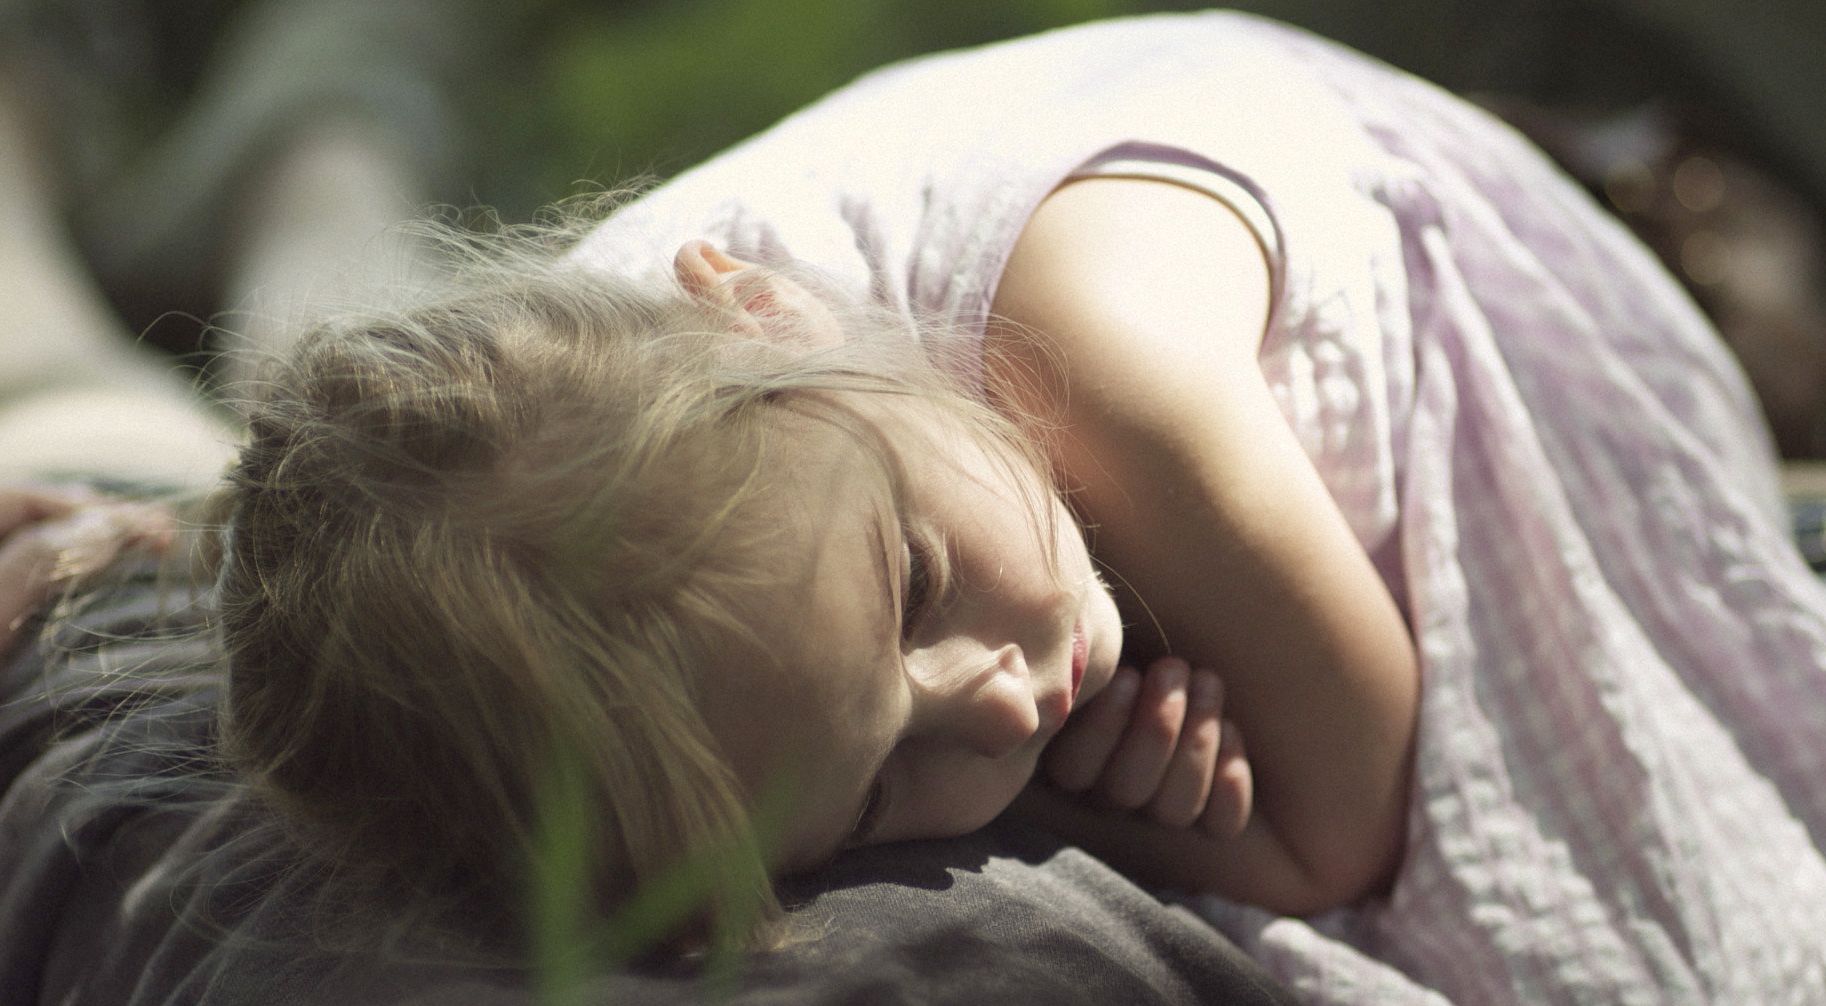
{"type": "Point", "coordinates": [1623, 733]}
{"type": "Point", "coordinates": [1620, 791]}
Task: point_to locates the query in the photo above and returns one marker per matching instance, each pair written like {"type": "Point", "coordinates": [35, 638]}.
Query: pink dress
{"type": "Point", "coordinates": [1620, 793]}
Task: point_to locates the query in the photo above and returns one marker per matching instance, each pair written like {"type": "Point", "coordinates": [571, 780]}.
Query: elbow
{"type": "Point", "coordinates": [1267, 871]}
{"type": "Point", "coordinates": [1345, 873]}
{"type": "Point", "coordinates": [1349, 858]}
{"type": "Point", "coordinates": [1322, 890]}
{"type": "Point", "coordinates": [1314, 892]}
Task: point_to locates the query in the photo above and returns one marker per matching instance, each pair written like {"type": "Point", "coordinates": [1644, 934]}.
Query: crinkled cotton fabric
{"type": "Point", "coordinates": [1620, 783]}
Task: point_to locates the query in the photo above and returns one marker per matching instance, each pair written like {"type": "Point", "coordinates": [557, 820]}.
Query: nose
{"type": "Point", "coordinates": [990, 712]}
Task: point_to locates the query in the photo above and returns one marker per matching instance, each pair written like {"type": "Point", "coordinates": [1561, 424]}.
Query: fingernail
{"type": "Point", "coordinates": [1204, 690]}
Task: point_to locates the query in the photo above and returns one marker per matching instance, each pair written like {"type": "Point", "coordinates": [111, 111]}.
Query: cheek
{"type": "Point", "coordinates": [1072, 542]}
{"type": "Point", "coordinates": [950, 793]}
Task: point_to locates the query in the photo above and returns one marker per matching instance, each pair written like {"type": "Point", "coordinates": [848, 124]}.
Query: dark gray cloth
{"type": "Point", "coordinates": [105, 819]}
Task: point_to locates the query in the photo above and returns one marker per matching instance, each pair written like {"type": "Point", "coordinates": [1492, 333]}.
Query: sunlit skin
{"type": "Point", "coordinates": [943, 697]}
{"type": "Point", "coordinates": [896, 712]}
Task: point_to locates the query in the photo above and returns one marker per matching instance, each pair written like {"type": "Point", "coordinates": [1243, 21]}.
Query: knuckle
{"type": "Point", "coordinates": [1160, 724]}
{"type": "Point", "coordinates": [1199, 743]}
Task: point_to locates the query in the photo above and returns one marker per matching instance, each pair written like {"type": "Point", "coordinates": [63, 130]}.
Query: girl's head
{"type": "Point", "coordinates": [944, 608]}
{"type": "Point", "coordinates": [935, 636]}
{"type": "Point", "coordinates": [655, 544]}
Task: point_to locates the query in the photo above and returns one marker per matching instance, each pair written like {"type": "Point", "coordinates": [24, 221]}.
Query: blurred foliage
{"type": "Point", "coordinates": [710, 889]}
{"type": "Point", "coordinates": [575, 94]}
{"type": "Point", "coordinates": [602, 92]}
{"type": "Point", "coordinates": [619, 90]}
{"type": "Point", "coordinates": [562, 95]}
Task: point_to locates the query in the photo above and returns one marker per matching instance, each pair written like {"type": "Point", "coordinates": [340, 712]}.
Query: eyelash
{"type": "Point", "coordinates": [920, 586]}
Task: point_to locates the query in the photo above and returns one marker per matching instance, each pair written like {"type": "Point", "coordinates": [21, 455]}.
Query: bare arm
{"type": "Point", "coordinates": [1137, 309]}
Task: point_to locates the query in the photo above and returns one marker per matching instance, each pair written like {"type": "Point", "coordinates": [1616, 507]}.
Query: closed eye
{"type": "Point", "coordinates": [917, 593]}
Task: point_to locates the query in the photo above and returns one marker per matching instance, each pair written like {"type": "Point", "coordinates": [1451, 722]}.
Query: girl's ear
{"type": "Point", "coordinates": [701, 266]}
{"type": "Point", "coordinates": [770, 306]}
{"type": "Point", "coordinates": [704, 270]}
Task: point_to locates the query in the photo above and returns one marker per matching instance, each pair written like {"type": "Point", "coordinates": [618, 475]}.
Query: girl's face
{"type": "Point", "coordinates": [904, 702]}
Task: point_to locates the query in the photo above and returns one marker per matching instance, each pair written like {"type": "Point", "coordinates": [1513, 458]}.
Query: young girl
{"type": "Point", "coordinates": [1452, 609]}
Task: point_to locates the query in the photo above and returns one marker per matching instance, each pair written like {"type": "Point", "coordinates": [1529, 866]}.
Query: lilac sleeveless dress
{"type": "Point", "coordinates": [1620, 793]}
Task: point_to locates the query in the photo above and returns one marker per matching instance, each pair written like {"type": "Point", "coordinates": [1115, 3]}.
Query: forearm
{"type": "Point", "coordinates": [1253, 866]}
{"type": "Point", "coordinates": [1248, 567]}
{"type": "Point", "coordinates": [1134, 317]}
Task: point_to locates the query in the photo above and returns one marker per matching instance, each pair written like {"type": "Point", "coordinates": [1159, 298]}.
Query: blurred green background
{"type": "Point", "coordinates": [538, 99]}
{"type": "Point", "coordinates": [603, 90]}
{"type": "Point", "coordinates": [554, 95]}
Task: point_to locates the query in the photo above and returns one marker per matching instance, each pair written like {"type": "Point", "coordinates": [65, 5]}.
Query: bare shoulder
{"type": "Point", "coordinates": [1118, 277]}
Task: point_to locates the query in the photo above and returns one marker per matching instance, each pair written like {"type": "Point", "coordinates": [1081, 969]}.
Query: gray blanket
{"type": "Point", "coordinates": [98, 903]}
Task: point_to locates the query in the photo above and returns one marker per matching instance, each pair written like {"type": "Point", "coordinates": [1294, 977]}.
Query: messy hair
{"type": "Point", "coordinates": [500, 538]}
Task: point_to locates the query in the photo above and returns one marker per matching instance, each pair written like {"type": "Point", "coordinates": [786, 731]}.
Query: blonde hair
{"type": "Point", "coordinates": [500, 538]}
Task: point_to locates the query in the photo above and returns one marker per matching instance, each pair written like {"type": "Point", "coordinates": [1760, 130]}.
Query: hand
{"type": "Point", "coordinates": [1158, 745]}
{"type": "Point", "coordinates": [51, 537]}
